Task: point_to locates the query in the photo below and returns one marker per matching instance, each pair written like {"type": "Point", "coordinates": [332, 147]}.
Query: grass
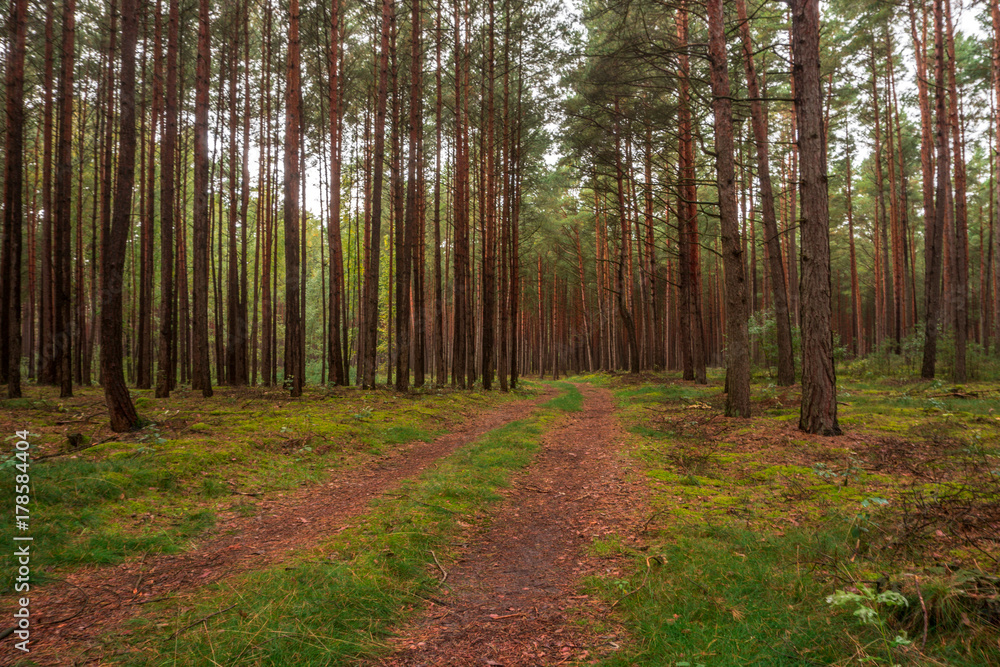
{"type": "Point", "coordinates": [570, 400]}
{"type": "Point", "coordinates": [727, 596]}
{"type": "Point", "coordinates": [158, 489]}
{"type": "Point", "coordinates": [754, 526]}
{"type": "Point", "coordinates": [337, 603]}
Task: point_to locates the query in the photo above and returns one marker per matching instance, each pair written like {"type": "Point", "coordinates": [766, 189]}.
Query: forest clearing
{"type": "Point", "coordinates": [500, 332]}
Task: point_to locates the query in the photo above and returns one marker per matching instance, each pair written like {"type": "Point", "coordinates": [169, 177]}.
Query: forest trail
{"type": "Point", "coordinates": [70, 614]}
{"type": "Point", "coordinates": [515, 590]}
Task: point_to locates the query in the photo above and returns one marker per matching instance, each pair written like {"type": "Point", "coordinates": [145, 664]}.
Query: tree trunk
{"type": "Point", "coordinates": [62, 275]}
{"type": "Point", "coordinates": [241, 369]}
{"type": "Point", "coordinates": [624, 280]}
{"type": "Point", "coordinates": [167, 360]}
{"type": "Point", "coordinates": [737, 337]}
{"type": "Point", "coordinates": [936, 223]}
{"type": "Point", "coordinates": [201, 377]}
{"type": "Point", "coordinates": [144, 368]}
{"type": "Point", "coordinates": [13, 211]}
{"type": "Point", "coordinates": [960, 284]}
{"type": "Point", "coordinates": [819, 381]}
{"type": "Point", "coordinates": [116, 395]}
{"type": "Point", "coordinates": [758, 114]}
{"type": "Point", "coordinates": [46, 323]}
{"type": "Point", "coordinates": [461, 203]}
{"type": "Point", "coordinates": [372, 270]}
{"type": "Point", "coordinates": [294, 340]}
{"type": "Point", "coordinates": [685, 172]}
{"type": "Point", "coordinates": [233, 262]}
{"type": "Point", "coordinates": [489, 222]}
{"type": "Point", "coordinates": [857, 341]}
{"type": "Point", "coordinates": [338, 370]}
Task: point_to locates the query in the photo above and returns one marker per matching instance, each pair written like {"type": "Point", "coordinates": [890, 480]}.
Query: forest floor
{"type": "Point", "coordinates": [616, 520]}
{"type": "Point", "coordinates": [513, 597]}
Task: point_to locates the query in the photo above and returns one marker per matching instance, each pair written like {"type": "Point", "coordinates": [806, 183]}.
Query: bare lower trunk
{"type": "Point", "coordinates": [737, 336]}
{"type": "Point", "coordinates": [116, 395]}
{"type": "Point", "coordinates": [819, 381]}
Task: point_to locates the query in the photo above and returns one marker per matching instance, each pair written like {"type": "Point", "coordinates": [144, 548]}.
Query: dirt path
{"type": "Point", "coordinates": [515, 588]}
{"type": "Point", "coordinates": [69, 615]}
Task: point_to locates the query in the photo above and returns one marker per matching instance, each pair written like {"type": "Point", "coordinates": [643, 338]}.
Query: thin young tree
{"type": "Point", "coordinates": [692, 332]}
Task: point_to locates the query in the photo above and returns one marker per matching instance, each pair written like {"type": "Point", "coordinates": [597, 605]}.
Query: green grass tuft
{"type": "Point", "coordinates": [569, 401]}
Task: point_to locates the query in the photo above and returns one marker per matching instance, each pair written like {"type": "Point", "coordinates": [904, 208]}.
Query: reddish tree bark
{"type": "Point", "coordinates": [758, 115]}
{"type": "Point", "coordinates": [819, 382]}
{"type": "Point", "coordinates": [737, 337]}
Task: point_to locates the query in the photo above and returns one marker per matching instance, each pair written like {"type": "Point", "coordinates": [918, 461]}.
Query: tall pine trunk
{"type": "Point", "coordinates": [371, 312]}
{"type": "Point", "coordinates": [960, 284]}
{"type": "Point", "coordinates": [13, 213]}
{"type": "Point", "coordinates": [116, 395]}
{"type": "Point", "coordinates": [737, 336]}
{"type": "Point", "coordinates": [294, 338]}
{"type": "Point", "coordinates": [758, 115]}
{"type": "Point", "coordinates": [201, 376]}
{"type": "Point", "coordinates": [936, 223]}
{"type": "Point", "coordinates": [166, 370]}
{"type": "Point", "coordinates": [338, 370]}
{"type": "Point", "coordinates": [819, 382]}
{"type": "Point", "coordinates": [62, 276]}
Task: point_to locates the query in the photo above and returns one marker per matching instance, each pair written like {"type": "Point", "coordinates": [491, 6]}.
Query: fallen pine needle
{"type": "Point", "coordinates": [644, 578]}
{"type": "Point", "coordinates": [443, 573]}
{"type": "Point", "coordinates": [201, 620]}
